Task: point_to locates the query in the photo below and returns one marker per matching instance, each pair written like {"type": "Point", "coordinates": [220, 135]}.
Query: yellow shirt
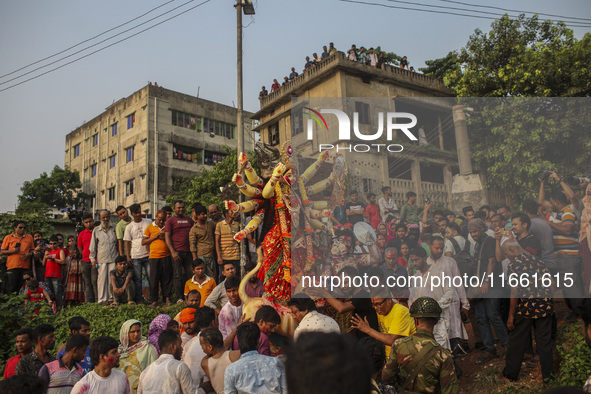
{"type": "Point", "coordinates": [397, 322]}
{"type": "Point", "coordinates": [204, 289]}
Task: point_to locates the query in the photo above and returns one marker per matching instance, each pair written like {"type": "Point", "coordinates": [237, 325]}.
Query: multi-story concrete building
{"type": "Point", "coordinates": [426, 170]}
{"type": "Point", "coordinates": [135, 149]}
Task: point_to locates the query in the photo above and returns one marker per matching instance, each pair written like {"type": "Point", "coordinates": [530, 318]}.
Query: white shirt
{"type": "Point", "coordinates": [386, 205]}
{"type": "Point", "coordinates": [91, 383]}
{"type": "Point", "coordinates": [167, 376]}
{"type": "Point", "coordinates": [229, 318]}
{"type": "Point", "coordinates": [316, 322]}
{"type": "Point", "coordinates": [192, 355]}
{"type": "Point", "coordinates": [134, 232]}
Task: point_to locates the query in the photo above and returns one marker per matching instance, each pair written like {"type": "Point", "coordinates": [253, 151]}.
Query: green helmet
{"type": "Point", "coordinates": [425, 307]}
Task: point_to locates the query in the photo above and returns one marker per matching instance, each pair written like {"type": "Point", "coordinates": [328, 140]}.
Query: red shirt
{"type": "Point", "coordinates": [84, 242]}
{"type": "Point", "coordinates": [179, 232]}
{"type": "Point", "coordinates": [53, 269]}
{"type": "Point", "coordinates": [11, 366]}
{"type": "Point", "coordinates": [372, 212]}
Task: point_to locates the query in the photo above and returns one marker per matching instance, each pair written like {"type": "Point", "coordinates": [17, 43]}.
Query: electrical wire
{"type": "Point", "coordinates": [88, 39]}
{"type": "Point", "coordinates": [510, 10]}
{"type": "Point", "coordinates": [574, 24]}
{"type": "Point", "coordinates": [94, 45]}
{"type": "Point", "coordinates": [102, 49]}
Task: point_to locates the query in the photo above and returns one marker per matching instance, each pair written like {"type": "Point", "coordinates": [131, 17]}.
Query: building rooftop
{"type": "Point", "coordinates": [339, 62]}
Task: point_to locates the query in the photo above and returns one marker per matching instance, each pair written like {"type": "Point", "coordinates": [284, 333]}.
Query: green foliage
{"type": "Point", "coordinates": [391, 58]}
{"type": "Point", "coordinates": [205, 186]}
{"type": "Point", "coordinates": [522, 57]}
{"type": "Point", "coordinates": [35, 222]}
{"type": "Point", "coordinates": [55, 190]}
{"type": "Point", "coordinates": [104, 320]}
{"type": "Point", "coordinates": [514, 139]}
{"type": "Point", "coordinates": [438, 68]}
{"type": "Point", "coordinates": [575, 365]}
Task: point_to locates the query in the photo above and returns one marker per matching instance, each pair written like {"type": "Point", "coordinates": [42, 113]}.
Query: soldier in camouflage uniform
{"type": "Point", "coordinates": [418, 363]}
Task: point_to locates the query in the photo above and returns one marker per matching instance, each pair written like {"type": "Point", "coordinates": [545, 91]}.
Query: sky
{"type": "Point", "coordinates": [194, 52]}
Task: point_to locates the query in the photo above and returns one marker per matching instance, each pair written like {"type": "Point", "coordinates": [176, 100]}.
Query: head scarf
{"type": "Point", "coordinates": [124, 348]}
{"type": "Point", "coordinates": [477, 225]}
{"type": "Point", "coordinates": [158, 325]}
{"type": "Point", "coordinates": [585, 231]}
{"type": "Point", "coordinates": [187, 315]}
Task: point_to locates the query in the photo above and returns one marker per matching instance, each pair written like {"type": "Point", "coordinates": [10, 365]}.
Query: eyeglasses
{"type": "Point", "coordinates": [378, 304]}
{"type": "Point", "coordinates": [53, 243]}
{"type": "Point", "coordinates": [21, 227]}
{"type": "Point", "coordinates": [27, 279]}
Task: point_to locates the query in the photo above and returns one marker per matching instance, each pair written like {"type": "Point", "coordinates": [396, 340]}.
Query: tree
{"type": "Point", "coordinates": [204, 187]}
{"type": "Point", "coordinates": [439, 68]}
{"type": "Point", "coordinates": [55, 190]}
{"type": "Point", "coordinates": [391, 58]}
{"type": "Point", "coordinates": [512, 140]}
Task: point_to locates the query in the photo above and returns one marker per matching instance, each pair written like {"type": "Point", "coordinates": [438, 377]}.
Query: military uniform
{"type": "Point", "coordinates": [434, 372]}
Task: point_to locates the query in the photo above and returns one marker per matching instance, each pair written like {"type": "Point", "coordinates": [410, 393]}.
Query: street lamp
{"type": "Point", "coordinates": [248, 9]}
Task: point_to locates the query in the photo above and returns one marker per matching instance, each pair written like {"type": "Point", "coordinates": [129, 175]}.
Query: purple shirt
{"type": "Point", "coordinates": [256, 292]}
{"type": "Point", "coordinates": [264, 347]}
{"type": "Point", "coordinates": [179, 232]}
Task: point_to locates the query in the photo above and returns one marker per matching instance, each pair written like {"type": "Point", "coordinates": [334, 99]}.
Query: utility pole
{"type": "Point", "coordinates": [247, 7]}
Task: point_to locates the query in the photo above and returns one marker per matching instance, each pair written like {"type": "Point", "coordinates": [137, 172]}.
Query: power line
{"type": "Point", "coordinates": [94, 45]}
{"type": "Point", "coordinates": [510, 10]}
{"type": "Point", "coordinates": [575, 24]}
{"type": "Point", "coordinates": [88, 39]}
{"type": "Point", "coordinates": [461, 9]}
{"type": "Point", "coordinates": [108, 46]}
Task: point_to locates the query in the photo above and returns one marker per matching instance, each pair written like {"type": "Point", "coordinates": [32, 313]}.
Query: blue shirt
{"type": "Point", "coordinates": [85, 364]}
{"type": "Point", "coordinates": [255, 373]}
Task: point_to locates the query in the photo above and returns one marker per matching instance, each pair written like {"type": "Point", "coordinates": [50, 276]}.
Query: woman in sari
{"type": "Point", "coordinates": [159, 324]}
{"type": "Point", "coordinates": [74, 283]}
{"type": "Point", "coordinates": [136, 352]}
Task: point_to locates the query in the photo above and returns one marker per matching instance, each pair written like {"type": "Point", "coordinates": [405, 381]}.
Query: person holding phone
{"type": "Point", "coordinates": [18, 249]}
{"type": "Point", "coordinates": [53, 261]}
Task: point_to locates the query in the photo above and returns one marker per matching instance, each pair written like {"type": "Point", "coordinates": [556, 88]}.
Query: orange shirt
{"type": "Point", "coordinates": [204, 289]}
{"type": "Point", "coordinates": [15, 260]}
{"type": "Point", "coordinates": [158, 248]}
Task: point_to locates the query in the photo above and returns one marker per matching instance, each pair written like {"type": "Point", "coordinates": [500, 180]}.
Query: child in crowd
{"type": "Point", "coordinates": [200, 281]}
{"type": "Point", "coordinates": [36, 294]}
{"type": "Point", "coordinates": [122, 285]}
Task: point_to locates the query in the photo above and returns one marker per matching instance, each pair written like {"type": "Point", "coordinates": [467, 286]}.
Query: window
{"type": "Point", "coordinates": [111, 193]}
{"type": "Point", "coordinates": [129, 154]}
{"type": "Point", "coordinates": [130, 121]}
{"type": "Point", "coordinates": [214, 127]}
{"type": "Point", "coordinates": [274, 134]}
{"type": "Point", "coordinates": [129, 187]}
{"type": "Point", "coordinates": [363, 110]}
{"type": "Point", "coordinates": [186, 120]}
{"type": "Point", "coordinates": [431, 172]}
{"type": "Point", "coordinates": [112, 161]}
{"type": "Point", "coordinates": [76, 150]}
{"type": "Point", "coordinates": [93, 170]}
{"type": "Point", "coordinates": [297, 122]}
{"type": "Point", "coordinates": [94, 140]}
{"type": "Point", "coordinates": [370, 185]}
{"type": "Point", "coordinates": [180, 152]}
{"type": "Point", "coordinates": [114, 130]}
{"type": "Point", "coordinates": [212, 158]}
{"type": "Point", "coordinates": [399, 168]}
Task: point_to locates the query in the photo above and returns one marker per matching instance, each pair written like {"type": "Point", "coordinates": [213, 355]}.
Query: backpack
{"type": "Point", "coordinates": [465, 262]}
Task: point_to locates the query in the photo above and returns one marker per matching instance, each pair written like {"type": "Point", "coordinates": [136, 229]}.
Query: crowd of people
{"type": "Point", "coordinates": [354, 340]}
{"type": "Point", "coordinates": [361, 55]}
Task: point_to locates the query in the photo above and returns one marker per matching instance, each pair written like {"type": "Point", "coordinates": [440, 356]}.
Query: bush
{"type": "Point", "coordinates": [104, 320]}
{"type": "Point", "coordinates": [575, 363]}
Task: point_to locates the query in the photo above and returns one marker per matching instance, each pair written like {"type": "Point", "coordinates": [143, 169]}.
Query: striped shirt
{"type": "Point", "coordinates": [59, 379]}
{"type": "Point", "coordinates": [566, 244]}
{"type": "Point", "coordinates": [230, 249]}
